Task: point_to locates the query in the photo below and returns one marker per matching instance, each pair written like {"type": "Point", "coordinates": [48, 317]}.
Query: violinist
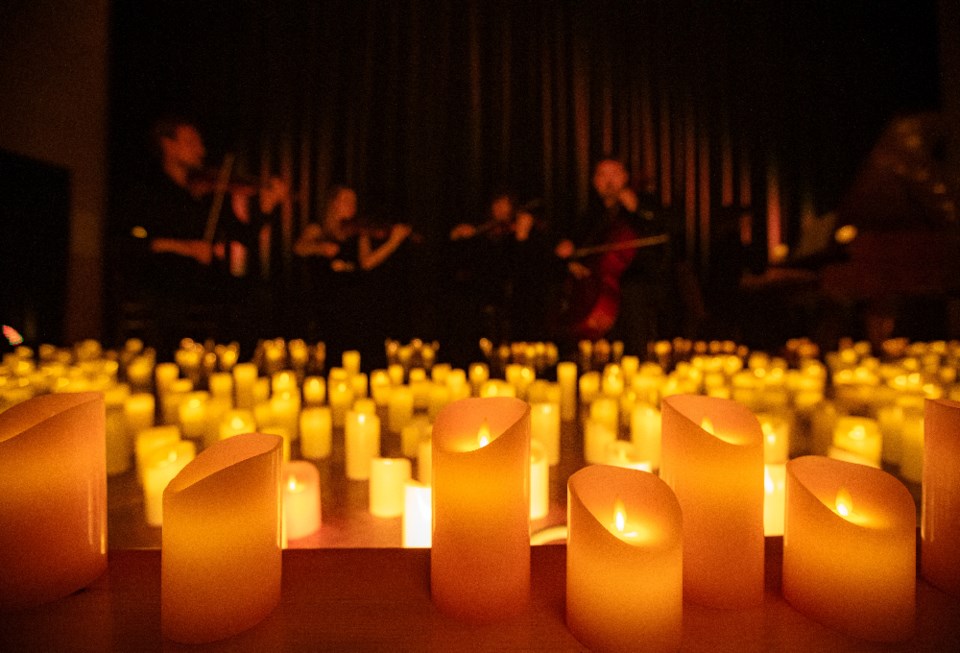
{"type": "Point", "coordinates": [623, 289]}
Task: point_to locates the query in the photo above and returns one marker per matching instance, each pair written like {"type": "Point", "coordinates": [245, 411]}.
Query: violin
{"type": "Point", "coordinates": [360, 226]}
{"type": "Point", "coordinates": [204, 181]}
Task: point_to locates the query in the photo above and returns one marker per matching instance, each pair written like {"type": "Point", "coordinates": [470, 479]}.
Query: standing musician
{"type": "Point", "coordinates": [620, 268]}
{"type": "Point", "coordinates": [176, 234]}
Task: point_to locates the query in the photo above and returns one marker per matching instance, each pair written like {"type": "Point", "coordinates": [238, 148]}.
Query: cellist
{"type": "Point", "coordinates": [620, 264]}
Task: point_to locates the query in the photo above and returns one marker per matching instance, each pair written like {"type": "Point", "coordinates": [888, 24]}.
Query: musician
{"type": "Point", "coordinates": [640, 289]}
{"type": "Point", "coordinates": [339, 254]}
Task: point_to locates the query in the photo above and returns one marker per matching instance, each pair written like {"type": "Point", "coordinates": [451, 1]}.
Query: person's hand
{"type": "Point", "coordinates": [463, 231]}
{"type": "Point", "coordinates": [399, 232]}
{"type": "Point", "coordinates": [628, 199]}
{"type": "Point", "coordinates": [564, 248]}
{"type": "Point", "coordinates": [578, 270]}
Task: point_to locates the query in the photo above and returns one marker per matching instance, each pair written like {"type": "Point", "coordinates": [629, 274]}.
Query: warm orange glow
{"type": "Point", "coordinates": [620, 517]}
{"type": "Point", "coordinates": [483, 434]}
{"type": "Point", "coordinates": [768, 485]}
{"type": "Point", "coordinates": [857, 432]}
{"type": "Point", "coordinates": [844, 504]}
{"type": "Point", "coordinates": [293, 485]}
{"type": "Point", "coordinates": [707, 426]}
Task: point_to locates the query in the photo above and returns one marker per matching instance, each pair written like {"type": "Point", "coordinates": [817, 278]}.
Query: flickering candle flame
{"type": "Point", "coordinates": [857, 432]}
{"type": "Point", "coordinates": [620, 518]}
{"type": "Point", "coordinates": [707, 425]}
{"type": "Point", "coordinates": [293, 485]}
{"type": "Point", "coordinates": [634, 534]}
{"type": "Point", "coordinates": [483, 434]}
{"type": "Point", "coordinates": [768, 432]}
{"type": "Point", "coordinates": [844, 504]}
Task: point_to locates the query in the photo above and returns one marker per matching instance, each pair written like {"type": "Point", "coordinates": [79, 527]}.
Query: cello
{"type": "Point", "coordinates": [594, 301]}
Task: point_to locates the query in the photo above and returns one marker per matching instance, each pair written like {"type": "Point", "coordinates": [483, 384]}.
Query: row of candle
{"type": "Point", "coordinates": [477, 491]}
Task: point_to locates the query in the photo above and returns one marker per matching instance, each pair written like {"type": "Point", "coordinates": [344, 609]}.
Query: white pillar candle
{"type": "Point", "coordinates": [596, 437]}
{"type": "Point", "coordinates": [567, 379]}
{"type": "Point", "coordinates": [611, 382]}
{"type": "Point", "coordinates": [350, 361]}
{"type": "Point", "coordinates": [387, 478]}
{"type": "Point", "coordinates": [497, 388]}
{"type": "Point", "coordinates": [221, 385]}
{"type": "Point", "coordinates": [362, 443]}
{"type": "Point", "coordinates": [478, 373]}
{"type": "Point", "coordinates": [589, 387]}
{"type": "Point", "coordinates": [396, 373]}
{"type": "Point", "coordinates": [164, 374]}
{"type": "Point", "coordinates": [849, 548]}
{"type": "Point", "coordinates": [283, 381]}
{"type": "Point", "coordinates": [235, 422]}
{"type": "Point", "coordinates": [456, 381]}
{"type": "Point", "coordinates": [285, 407]}
{"type": "Point", "coordinates": [890, 423]}
{"type": "Point", "coordinates": [211, 587]}
{"type": "Point", "coordinates": [417, 515]}
{"type": "Point", "coordinates": [261, 390]}
{"type": "Point", "coordinates": [425, 461]}
{"type": "Point", "coordinates": [160, 466]}
{"type": "Point", "coordinates": [192, 415]}
{"type": "Point", "coordinates": [171, 399]}
{"type": "Point", "coordinates": [940, 507]}
{"type": "Point", "coordinates": [606, 411]}
{"type": "Point", "coordinates": [150, 439]}
{"type": "Point", "coordinates": [645, 423]}
{"type": "Point", "coordinates": [774, 498]}
{"type": "Point", "coordinates": [624, 561]}
{"type": "Point", "coordinates": [400, 409]}
{"type": "Point", "coordinates": [440, 372]}
{"type": "Point", "coordinates": [380, 387]}
{"type": "Point", "coordinates": [713, 459]}
{"type": "Point", "coordinates": [858, 436]}
{"type": "Point", "coordinates": [119, 445]}
{"type": "Point", "coordinates": [340, 399]}
{"type": "Point", "coordinates": [539, 481]}
{"type": "Point", "coordinates": [621, 453]}
{"type": "Point", "coordinates": [911, 451]}
{"type": "Point", "coordinates": [301, 498]}
{"type": "Point", "coordinates": [316, 428]}
{"type": "Point", "coordinates": [776, 438]}
{"type": "Point", "coordinates": [140, 373]}
{"type": "Point", "coordinates": [480, 562]}
{"type": "Point", "coordinates": [412, 434]}
{"type": "Point", "coordinates": [53, 484]}
{"type": "Point", "coordinates": [358, 383]}
{"type": "Point", "coordinates": [314, 391]}
{"type": "Point", "coordinates": [139, 413]}
{"type": "Point", "coordinates": [545, 429]}
{"type": "Point", "coordinates": [439, 397]}
{"type": "Point", "coordinates": [244, 378]}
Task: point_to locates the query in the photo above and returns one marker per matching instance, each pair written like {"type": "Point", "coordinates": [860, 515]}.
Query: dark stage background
{"type": "Point", "coordinates": [425, 107]}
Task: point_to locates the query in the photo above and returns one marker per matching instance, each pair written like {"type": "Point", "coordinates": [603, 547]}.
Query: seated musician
{"type": "Point", "coordinates": [622, 290]}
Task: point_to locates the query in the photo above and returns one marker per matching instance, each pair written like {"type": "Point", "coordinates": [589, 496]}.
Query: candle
{"type": "Point", "coordinates": [285, 408]}
{"type": "Point", "coordinates": [138, 414]}
{"type": "Point", "coordinates": [150, 439]}
{"type": "Point", "coordinates": [606, 411]}
{"type": "Point", "coordinates": [387, 478]}
{"type": "Point", "coordinates": [119, 445]}
{"type": "Point", "coordinates": [350, 361]}
{"type": "Point", "coordinates": [316, 426]}
{"type": "Point", "coordinates": [545, 429]}
{"type": "Point", "coordinates": [567, 379]}
{"type": "Point", "coordinates": [596, 437]}
{"type": "Point", "coordinates": [645, 423]}
{"type": "Point", "coordinates": [539, 481]}
{"type": "Point", "coordinates": [497, 388]}
{"type": "Point", "coordinates": [341, 398]}
{"type": "Point", "coordinates": [624, 561]}
{"type": "Point", "coordinates": [776, 438]}
{"type": "Point", "coordinates": [362, 444]}
{"type": "Point", "coordinates": [859, 437]}
{"type": "Point", "coordinates": [221, 385]}
{"type": "Point", "coordinates": [456, 381]}
{"type": "Point", "coordinates": [425, 461]}
{"type": "Point", "coordinates": [399, 409]}
{"type": "Point", "coordinates": [358, 383]}
{"type": "Point", "coordinates": [235, 422]}
{"type": "Point", "coordinates": [171, 399]}
{"type": "Point", "coordinates": [53, 480]}
{"type": "Point", "coordinates": [380, 387]}
{"type": "Point", "coordinates": [164, 375]}
{"type": "Point", "coordinates": [589, 387]}
{"type": "Point", "coordinates": [712, 457]}
{"type": "Point", "coordinates": [314, 391]}
{"type": "Point", "coordinates": [621, 453]}
{"type": "Point", "coordinates": [480, 562]}
{"type": "Point", "coordinates": [911, 452]}
{"type": "Point", "coordinates": [410, 436]}
{"type": "Point", "coordinates": [774, 498]}
{"type": "Point", "coordinates": [192, 415]}
{"type": "Point", "coordinates": [417, 515]}
{"type": "Point", "coordinates": [439, 397]}
{"type": "Point", "coordinates": [160, 466]}
{"type": "Point", "coordinates": [220, 554]}
{"type": "Point", "coordinates": [849, 548]}
{"type": "Point", "coordinates": [244, 378]}
{"type": "Point", "coordinates": [139, 372]}
{"type": "Point", "coordinates": [940, 507]}
{"type": "Point", "coordinates": [478, 373]}
{"type": "Point", "coordinates": [301, 498]}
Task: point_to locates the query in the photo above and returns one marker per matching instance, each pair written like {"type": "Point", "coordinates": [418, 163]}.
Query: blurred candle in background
{"type": "Point", "coordinates": [940, 522]}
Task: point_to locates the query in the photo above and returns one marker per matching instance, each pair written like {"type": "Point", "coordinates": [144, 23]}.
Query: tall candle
{"type": "Point", "coordinates": [301, 498]}
{"type": "Point", "coordinates": [597, 436]}
{"type": "Point", "coordinates": [713, 459]}
{"type": "Point", "coordinates": [138, 413]}
{"type": "Point", "coordinates": [221, 385]}
{"type": "Point", "coordinates": [425, 461]}
{"type": "Point", "coordinates": [350, 361]}
{"type": "Point", "coordinates": [53, 480]}
{"type": "Point", "coordinates": [150, 439]}
{"type": "Point", "coordinates": [362, 444]}
{"type": "Point", "coordinates": [912, 445]}
{"type": "Point", "coordinates": [387, 478]}
{"type": "Point", "coordinates": [316, 432]}
{"type": "Point", "coordinates": [940, 508]}
{"type": "Point", "coordinates": [539, 481]}
{"type": "Point", "coordinates": [417, 515]}
{"type": "Point", "coordinates": [480, 562]}
{"type": "Point", "coordinates": [849, 548]}
{"type": "Point", "coordinates": [244, 378]}
{"type": "Point", "coordinates": [567, 378]}
{"type": "Point", "coordinates": [119, 445]}
{"type": "Point", "coordinates": [340, 397]}
{"type": "Point", "coordinates": [192, 415]}
{"type": "Point", "coordinates": [479, 373]}
{"type": "Point", "coordinates": [774, 498]}
{"type": "Point", "coordinates": [545, 429]}
{"type": "Point", "coordinates": [645, 430]}
{"type": "Point", "coordinates": [314, 391]}
{"type": "Point", "coordinates": [624, 561]}
{"type": "Point", "coordinates": [220, 554]}
{"type": "Point", "coordinates": [399, 409]}
{"type": "Point", "coordinates": [858, 436]}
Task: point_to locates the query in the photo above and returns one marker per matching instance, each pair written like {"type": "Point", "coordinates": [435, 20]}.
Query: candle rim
{"type": "Point", "coordinates": [23, 417]}
{"type": "Point", "coordinates": [455, 427]}
{"type": "Point", "coordinates": [222, 455]}
{"type": "Point", "coordinates": [695, 408]}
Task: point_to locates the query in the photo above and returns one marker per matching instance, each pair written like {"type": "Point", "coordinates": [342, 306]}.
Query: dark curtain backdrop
{"type": "Point", "coordinates": [425, 106]}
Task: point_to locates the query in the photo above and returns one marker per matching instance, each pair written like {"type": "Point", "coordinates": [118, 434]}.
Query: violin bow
{"type": "Point", "coordinates": [635, 243]}
{"type": "Point", "coordinates": [219, 193]}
